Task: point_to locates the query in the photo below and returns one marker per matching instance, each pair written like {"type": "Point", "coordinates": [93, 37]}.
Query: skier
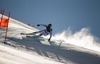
{"type": "Point", "coordinates": [46, 31]}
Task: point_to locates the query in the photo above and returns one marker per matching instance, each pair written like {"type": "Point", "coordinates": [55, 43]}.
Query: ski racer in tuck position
{"type": "Point", "coordinates": [45, 32]}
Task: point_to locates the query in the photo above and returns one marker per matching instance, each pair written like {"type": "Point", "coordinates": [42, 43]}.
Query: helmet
{"type": "Point", "coordinates": [49, 24]}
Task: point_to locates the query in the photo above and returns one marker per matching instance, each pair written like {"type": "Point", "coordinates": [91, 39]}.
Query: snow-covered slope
{"type": "Point", "coordinates": [24, 50]}
{"type": "Point", "coordinates": [10, 55]}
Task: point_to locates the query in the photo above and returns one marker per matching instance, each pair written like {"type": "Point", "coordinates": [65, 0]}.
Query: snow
{"type": "Point", "coordinates": [82, 38]}
{"type": "Point", "coordinates": [9, 55]}
{"type": "Point", "coordinates": [23, 50]}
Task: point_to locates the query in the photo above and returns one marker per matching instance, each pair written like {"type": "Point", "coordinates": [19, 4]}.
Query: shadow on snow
{"type": "Point", "coordinates": [56, 52]}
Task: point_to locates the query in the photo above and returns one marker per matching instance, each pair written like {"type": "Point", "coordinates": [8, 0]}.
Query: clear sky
{"type": "Point", "coordinates": [75, 14]}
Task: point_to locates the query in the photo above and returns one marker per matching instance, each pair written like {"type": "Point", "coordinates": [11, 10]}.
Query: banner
{"type": "Point", "coordinates": [4, 23]}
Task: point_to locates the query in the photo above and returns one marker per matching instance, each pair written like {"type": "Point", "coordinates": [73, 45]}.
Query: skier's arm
{"type": "Point", "coordinates": [50, 36]}
{"type": "Point", "coordinates": [42, 25]}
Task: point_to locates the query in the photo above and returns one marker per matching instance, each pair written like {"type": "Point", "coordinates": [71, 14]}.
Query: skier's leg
{"type": "Point", "coordinates": [43, 32]}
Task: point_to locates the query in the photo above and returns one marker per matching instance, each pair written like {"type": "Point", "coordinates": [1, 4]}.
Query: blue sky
{"type": "Point", "coordinates": [75, 14]}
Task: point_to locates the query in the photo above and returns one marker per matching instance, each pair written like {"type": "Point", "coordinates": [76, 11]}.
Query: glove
{"type": "Point", "coordinates": [49, 40]}
{"type": "Point", "coordinates": [38, 25]}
